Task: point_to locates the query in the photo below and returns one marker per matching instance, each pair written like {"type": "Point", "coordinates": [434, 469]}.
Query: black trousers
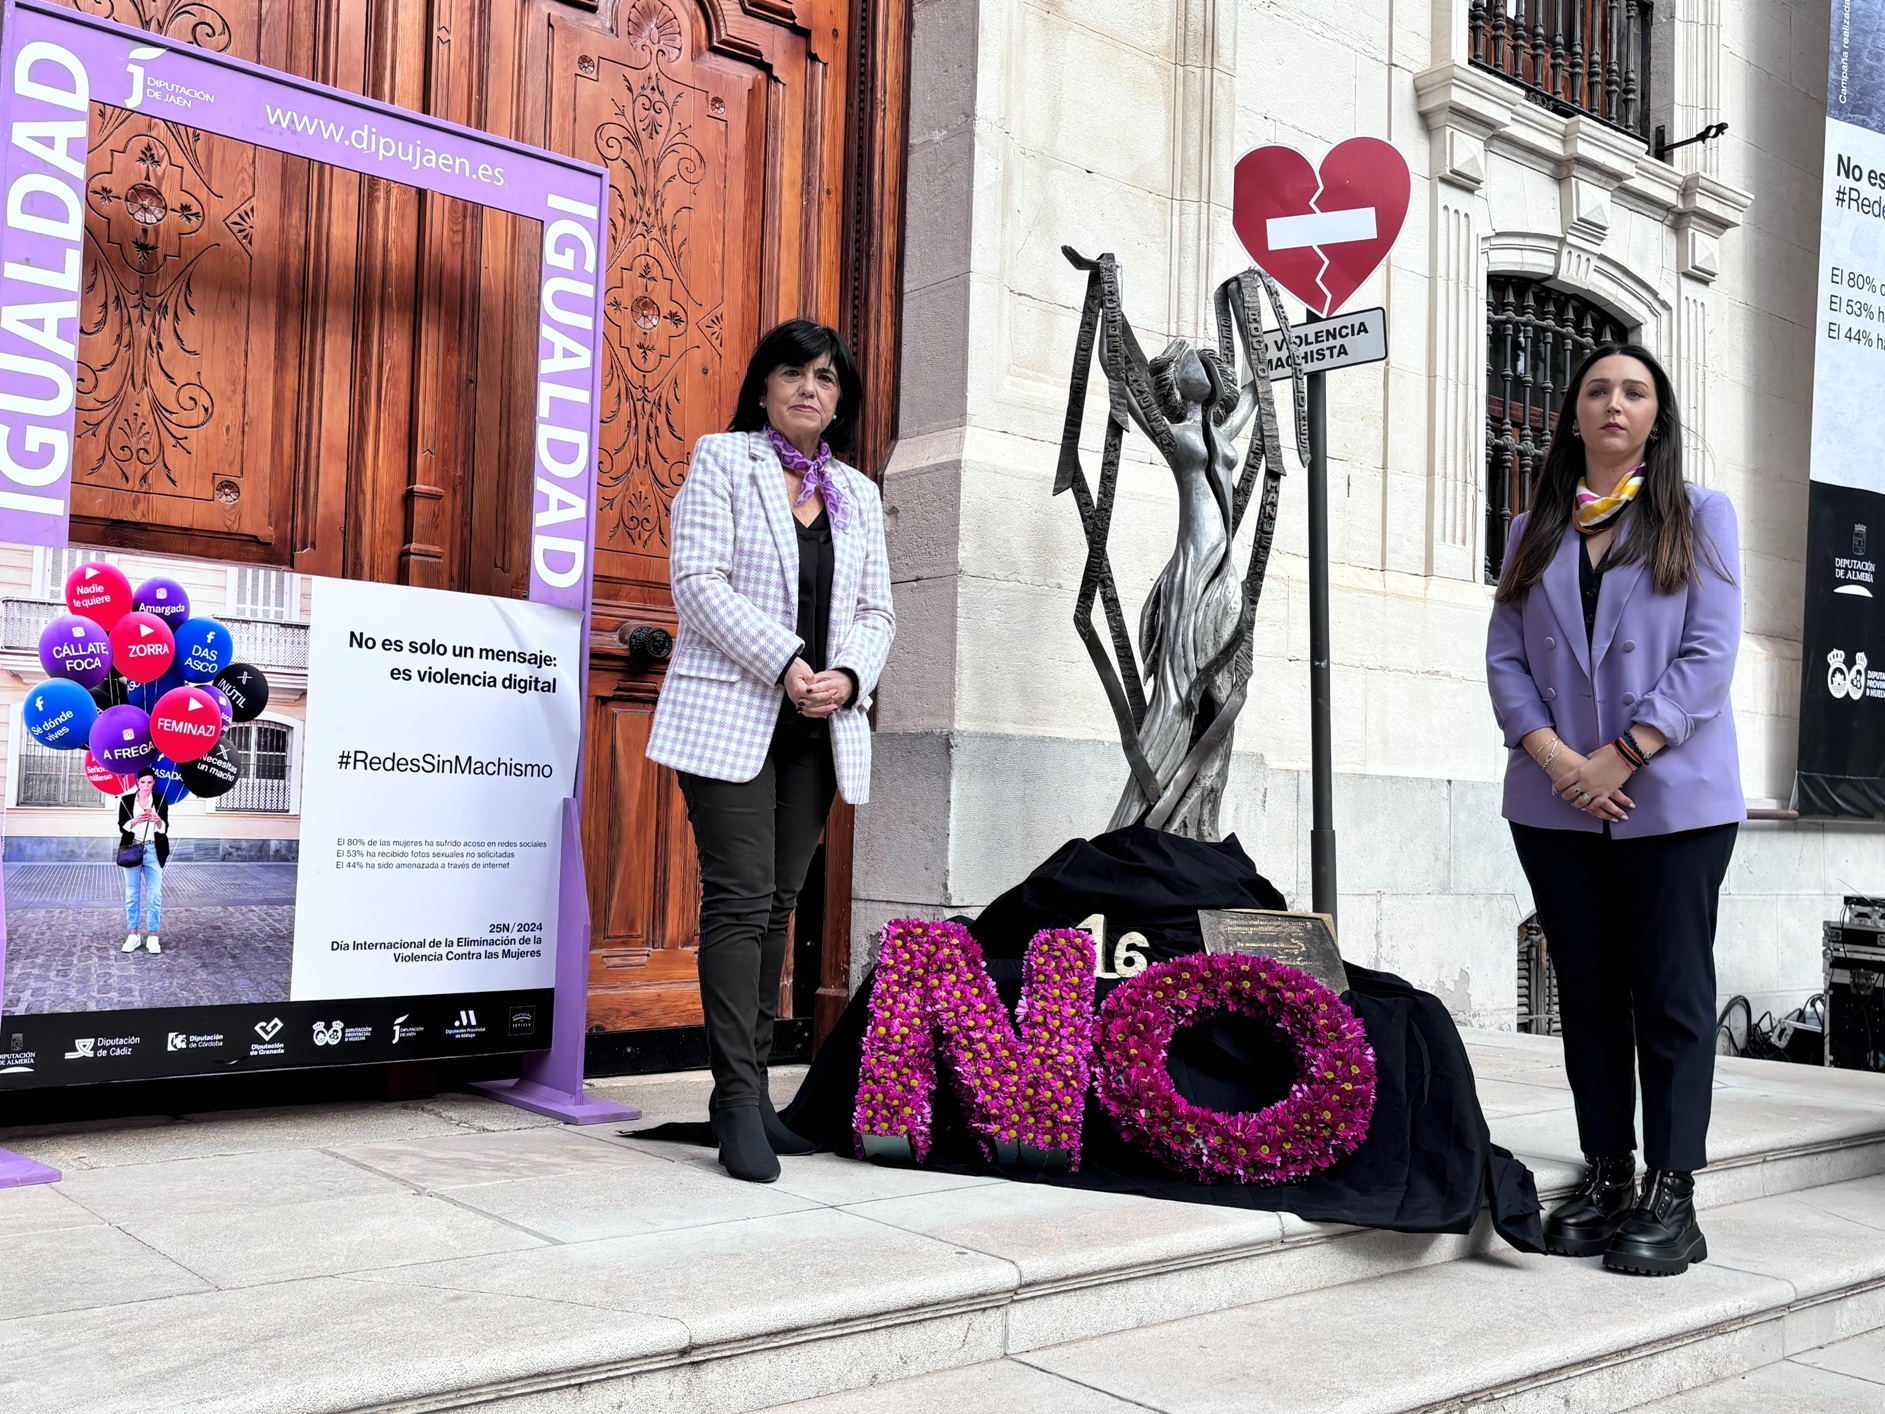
{"type": "Point", "coordinates": [1630, 927]}
{"type": "Point", "coordinates": [755, 840]}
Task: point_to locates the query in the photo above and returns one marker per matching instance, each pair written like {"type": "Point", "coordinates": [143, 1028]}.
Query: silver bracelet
{"type": "Point", "coordinates": [1551, 753]}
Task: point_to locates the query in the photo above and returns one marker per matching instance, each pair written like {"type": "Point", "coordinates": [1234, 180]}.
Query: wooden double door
{"type": "Point", "coordinates": [292, 365]}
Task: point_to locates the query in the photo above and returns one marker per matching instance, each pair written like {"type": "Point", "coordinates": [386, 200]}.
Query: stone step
{"type": "Point", "coordinates": [1845, 1377]}
{"type": "Point", "coordinates": [1786, 1275]}
{"type": "Point", "coordinates": [459, 1253]}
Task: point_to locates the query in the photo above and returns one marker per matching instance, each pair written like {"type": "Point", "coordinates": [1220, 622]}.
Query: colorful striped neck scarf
{"type": "Point", "coordinates": [817, 473]}
{"type": "Point", "coordinates": [1594, 512]}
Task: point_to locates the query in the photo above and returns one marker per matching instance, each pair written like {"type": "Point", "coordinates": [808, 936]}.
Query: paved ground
{"type": "Point", "coordinates": [457, 1253]}
{"type": "Point", "coordinates": [228, 936]}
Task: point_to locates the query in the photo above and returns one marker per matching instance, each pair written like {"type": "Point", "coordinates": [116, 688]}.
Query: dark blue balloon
{"type": "Point", "coordinates": [169, 780]}
{"type": "Point", "coordinates": [204, 649]}
{"type": "Point", "coordinates": [59, 713]}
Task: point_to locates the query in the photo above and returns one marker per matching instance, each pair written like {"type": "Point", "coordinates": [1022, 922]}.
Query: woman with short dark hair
{"type": "Point", "coordinates": [782, 587]}
{"type": "Point", "coordinates": [1609, 659]}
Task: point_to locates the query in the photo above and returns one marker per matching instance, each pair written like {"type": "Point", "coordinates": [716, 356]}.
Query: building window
{"type": "Point", "coordinates": [258, 592]}
{"type": "Point", "coordinates": [1535, 337]}
{"type": "Point", "coordinates": [56, 778]}
{"type": "Point", "coordinates": [1572, 56]}
{"type": "Point", "coordinates": [56, 563]}
{"type": "Point", "coordinates": [261, 750]}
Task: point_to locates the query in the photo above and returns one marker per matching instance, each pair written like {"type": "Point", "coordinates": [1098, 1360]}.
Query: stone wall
{"type": "Point", "coordinates": [1113, 125]}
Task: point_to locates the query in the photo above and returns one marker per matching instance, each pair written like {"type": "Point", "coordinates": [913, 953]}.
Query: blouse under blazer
{"type": "Point", "coordinates": [734, 564]}
{"type": "Point", "coordinates": [1666, 660]}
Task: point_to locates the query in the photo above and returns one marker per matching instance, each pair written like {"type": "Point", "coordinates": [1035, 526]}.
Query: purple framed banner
{"type": "Point", "coordinates": [54, 64]}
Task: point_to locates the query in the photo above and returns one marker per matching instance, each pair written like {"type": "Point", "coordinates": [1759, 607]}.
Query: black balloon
{"type": "Point", "coordinates": [114, 691]}
{"type": "Point", "coordinates": [212, 775]}
{"type": "Point", "coordinates": [246, 689]}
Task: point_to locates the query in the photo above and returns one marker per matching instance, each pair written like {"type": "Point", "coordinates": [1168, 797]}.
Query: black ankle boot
{"type": "Point", "coordinates": [744, 1152]}
{"type": "Point", "coordinates": [1583, 1224]}
{"type": "Point", "coordinates": [1660, 1236]}
{"type": "Point", "coordinates": [782, 1140]}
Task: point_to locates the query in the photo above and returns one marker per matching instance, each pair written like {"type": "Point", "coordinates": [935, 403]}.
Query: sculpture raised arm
{"type": "Point", "coordinates": [1176, 705]}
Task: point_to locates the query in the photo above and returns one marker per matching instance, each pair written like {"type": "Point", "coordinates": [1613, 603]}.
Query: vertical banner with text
{"type": "Point", "coordinates": [1841, 768]}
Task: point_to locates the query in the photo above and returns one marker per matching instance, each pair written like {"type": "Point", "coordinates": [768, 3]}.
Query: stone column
{"type": "Point", "coordinates": [1463, 109]}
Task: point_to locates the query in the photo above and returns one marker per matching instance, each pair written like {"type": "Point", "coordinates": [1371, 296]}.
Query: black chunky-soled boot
{"type": "Point", "coordinates": [1583, 1224]}
{"type": "Point", "coordinates": [1660, 1236]}
{"type": "Point", "coordinates": [744, 1152]}
{"type": "Point", "coordinates": [782, 1140]}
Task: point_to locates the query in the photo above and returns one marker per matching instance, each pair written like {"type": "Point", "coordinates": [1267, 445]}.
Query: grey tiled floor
{"type": "Point", "coordinates": [228, 936]}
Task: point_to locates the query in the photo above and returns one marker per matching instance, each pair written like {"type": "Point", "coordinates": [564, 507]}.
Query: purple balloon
{"type": "Point", "coordinates": [164, 598]}
{"type": "Point", "coordinates": [121, 739]}
{"type": "Point", "coordinates": [223, 704]}
{"type": "Point", "coordinates": [74, 647]}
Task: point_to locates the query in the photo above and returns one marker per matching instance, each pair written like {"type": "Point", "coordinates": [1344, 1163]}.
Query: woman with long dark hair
{"type": "Point", "coordinates": [144, 841]}
{"type": "Point", "coordinates": [782, 587]}
{"type": "Point", "coordinates": [1610, 658]}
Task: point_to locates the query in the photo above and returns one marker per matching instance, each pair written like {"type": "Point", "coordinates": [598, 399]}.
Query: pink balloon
{"type": "Point", "coordinates": [100, 592]}
{"type": "Point", "coordinates": [187, 724]}
{"type": "Point", "coordinates": [142, 647]}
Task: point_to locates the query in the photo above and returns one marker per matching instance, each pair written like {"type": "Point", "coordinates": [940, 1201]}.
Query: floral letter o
{"type": "Point", "coordinates": [1323, 1118]}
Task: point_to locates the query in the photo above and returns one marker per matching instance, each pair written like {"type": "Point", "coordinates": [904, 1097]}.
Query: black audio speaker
{"type": "Point", "coordinates": [1855, 986]}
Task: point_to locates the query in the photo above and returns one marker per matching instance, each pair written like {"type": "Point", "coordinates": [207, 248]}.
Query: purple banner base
{"type": "Point", "coordinates": [557, 1104]}
{"type": "Point", "coordinates": [552, 1082]}
{"type": "Point", "coordinates": [18, 1171]}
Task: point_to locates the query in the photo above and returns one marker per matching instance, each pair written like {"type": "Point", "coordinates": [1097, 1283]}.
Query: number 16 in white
{"type": "Point", "coordinates": [1128, 960]}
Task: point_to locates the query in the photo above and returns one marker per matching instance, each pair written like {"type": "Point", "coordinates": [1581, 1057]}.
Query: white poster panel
{"type": "Point", "coordinates": [1849, 312]}
{"type": "Point", "coordinates": [442, 737]}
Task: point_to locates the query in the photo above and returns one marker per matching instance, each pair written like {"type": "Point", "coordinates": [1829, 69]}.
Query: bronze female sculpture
{"type": "Point", "coordinates": [1177, 713]}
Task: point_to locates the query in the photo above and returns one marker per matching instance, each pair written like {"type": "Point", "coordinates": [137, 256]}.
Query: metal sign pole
{"type": "Point", "coordinates": [1321, 748]}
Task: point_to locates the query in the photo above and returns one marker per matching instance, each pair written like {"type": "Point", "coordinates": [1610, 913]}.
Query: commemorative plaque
{"type": "Point", "coordinates": [1301, 940]}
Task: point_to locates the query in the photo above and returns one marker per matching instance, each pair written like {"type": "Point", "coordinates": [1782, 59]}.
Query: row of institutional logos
{"type": "Point", "coordinates": [127, 1045]}
{"type": "Point", "coordinates": [1850, 676]}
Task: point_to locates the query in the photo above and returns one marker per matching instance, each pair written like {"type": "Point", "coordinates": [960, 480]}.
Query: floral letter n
{"type": "Point", "coordinates": [1023, 1094]}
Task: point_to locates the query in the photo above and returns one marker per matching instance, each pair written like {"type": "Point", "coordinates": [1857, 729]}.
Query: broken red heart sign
{"type": "Point", "coordinates": [1319, 234]}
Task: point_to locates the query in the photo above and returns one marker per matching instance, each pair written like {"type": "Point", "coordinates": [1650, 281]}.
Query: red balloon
{"type": "Point", "coordinates": [100, 592]}
{"type": "Point", "coordinates": [142, 648]}
{"type": "Point", "coordinates": [186, 724]}
{"type": "Point", "coordinates": [110, 782]}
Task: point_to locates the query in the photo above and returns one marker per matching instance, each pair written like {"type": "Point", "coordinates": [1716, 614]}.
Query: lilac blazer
{"type": "Point", "coordinates": [1666, 660]}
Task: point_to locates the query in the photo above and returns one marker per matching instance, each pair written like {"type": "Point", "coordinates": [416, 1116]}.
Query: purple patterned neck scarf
{"type": "Point", "coordinates": [818, 476]}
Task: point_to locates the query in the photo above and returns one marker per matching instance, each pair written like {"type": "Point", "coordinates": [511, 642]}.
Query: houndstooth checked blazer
{"type": "Point", "coordinates": [734, 564]}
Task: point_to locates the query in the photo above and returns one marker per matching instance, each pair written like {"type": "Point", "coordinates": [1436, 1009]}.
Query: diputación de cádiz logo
{"type": "Point", "coordinates": [1843, 681]}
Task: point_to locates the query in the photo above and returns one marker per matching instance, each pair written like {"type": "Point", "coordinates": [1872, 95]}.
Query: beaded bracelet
{"type": "Point", "coordinates": [1631, 753]}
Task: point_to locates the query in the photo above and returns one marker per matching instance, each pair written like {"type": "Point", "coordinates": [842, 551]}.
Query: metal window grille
{"type": "Point", "coordinates": [1537, 983]}
{"type": "Point", "coordinates": [57, 778]}
{"type": "Point", "coordinates": [261, 749]}
{"type": "Point", "coordinates": [1573, 56]}
{"type": "Point", "coordinates": [258, 592]}
{"type": "Point", "coordinates": [1535, 337]}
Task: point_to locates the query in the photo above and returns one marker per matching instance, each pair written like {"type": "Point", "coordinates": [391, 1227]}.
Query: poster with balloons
{"type": "Point", "coordinates": [236, 790]}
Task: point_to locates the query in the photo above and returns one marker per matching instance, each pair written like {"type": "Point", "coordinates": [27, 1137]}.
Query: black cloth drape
{"type": "Point", "coordinates": [1428, 1162]}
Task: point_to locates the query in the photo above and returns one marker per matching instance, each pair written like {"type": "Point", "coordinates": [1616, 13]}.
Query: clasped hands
{"type": "Point", "coordinates": [816, 694]}
{"type": "Point", "coordinates": [1592, 784]}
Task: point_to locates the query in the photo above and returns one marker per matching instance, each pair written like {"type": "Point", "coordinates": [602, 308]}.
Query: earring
{"type": "Point", "coordinates": [1576, 431]}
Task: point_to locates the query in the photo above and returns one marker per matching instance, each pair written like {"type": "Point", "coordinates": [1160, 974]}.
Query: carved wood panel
{"type": "Point", "coordinates": [290, 364]}
{"type": "Point", "coordinates": [681, 133]}
{"type": "Point", "coordinates": [183, 262]}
